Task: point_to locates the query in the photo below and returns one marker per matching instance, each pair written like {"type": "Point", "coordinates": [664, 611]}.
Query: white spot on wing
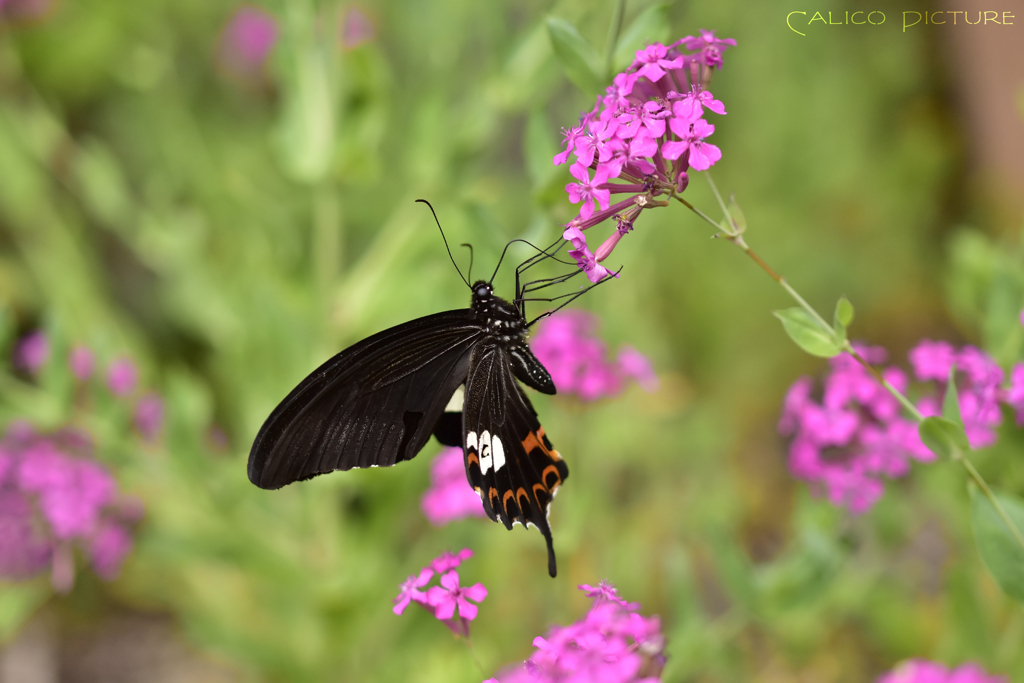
{"type": "Point", "coordinates": [455, 402]}
{"type": "Point", "coordinates": [497, 452]}
{"type": "Point", "coordinates": [485, 452]}
{"type": "Point", "coordinates": [471, 441]}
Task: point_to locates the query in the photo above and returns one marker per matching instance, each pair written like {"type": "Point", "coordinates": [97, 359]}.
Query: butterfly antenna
{"type": "Point", "coordinates": [538, 258]}
{"type": "Point", "coordinates": [445, 241]}
{"type": "Point", "coordinates": [577, 295]}
{"type": "Point", "coordinates": [470, 247]}
{"type": "Point", "coordinates": [542, 255]}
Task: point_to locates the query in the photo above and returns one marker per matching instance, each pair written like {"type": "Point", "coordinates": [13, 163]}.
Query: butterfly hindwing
{"type": "Point", "coordinates": [509, 460]}
{"type": "Point", "coordinates": [373, 404]}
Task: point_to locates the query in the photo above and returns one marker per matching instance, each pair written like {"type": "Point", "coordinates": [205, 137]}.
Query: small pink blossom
{"type": "Point", "coordinates": [32, 352]}
{"type": "Point", "coordinates": [1014, 394]}
{"type": "Point", "coordinates": [606, 591]}
{"type": "Point", "coordinates": [248, 38]}
{"type": "Point", "coordinates": [702, 155]}
{"type": "Point", "coordinates": [569, 138]}
{"type": "Point", "coordinates": [932, 360]}
{"type": "Point", "coordinates": [450, 596]}
{"type": "Point", "coordinates": [594, 271]}
{"type": "Point", "coordinates": [923, 671]}
{"type": "Point", "coordinates": [653, 64]}
{"type": "Point", "coordinates": [586, 190]}
{"type": "Point", "coordinates": [108, 548]}
{"type": "Point", "coordinates": [82, 362]}
{"type": "Point", "coordinates": [122, 376]}
{"type": "Point", "coordinates": [409, 590]}
{"type": "Point", "coordinates": [149, 415]}
{"type": "Point", "coordinates": [356, 28]}
{"type": "Point", "coordinates": [710, 47]}
{"type": "Point", "coordinates": [447, 561]}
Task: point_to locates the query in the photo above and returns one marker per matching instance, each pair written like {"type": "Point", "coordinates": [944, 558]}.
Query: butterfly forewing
{"type": "Point", "coordinates": [373, 404]}
{"type": "Point", "coordinates": [509, 460]}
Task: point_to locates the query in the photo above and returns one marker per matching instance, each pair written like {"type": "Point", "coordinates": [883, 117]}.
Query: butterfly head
{"type": "Point", "coordinates": [482, 292]}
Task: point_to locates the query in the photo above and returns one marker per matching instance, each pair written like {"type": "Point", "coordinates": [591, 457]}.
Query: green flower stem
{"type": "Point", "coordinates": [327, 238]}
{"type": "Point", "coordinates": [614, 29]}
{"type": "Point", "coordinates": [973, 473]}
{"type": "Point", "coordinates": [472, 653]}
{"type": "Point", "coordinates": [983, 485]}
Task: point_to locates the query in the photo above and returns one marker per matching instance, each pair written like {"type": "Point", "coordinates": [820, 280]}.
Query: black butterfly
{"type": "Point", "coordinates": [377, 403]}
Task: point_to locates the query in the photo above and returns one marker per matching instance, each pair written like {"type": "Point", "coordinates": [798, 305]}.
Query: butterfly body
{"type": "Point", "coordinates": [377, 403]}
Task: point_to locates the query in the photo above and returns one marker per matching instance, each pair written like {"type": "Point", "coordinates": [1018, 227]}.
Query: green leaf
{"type": "Point", "coordinates": [997, 544]}
{"type": "Point", "coordinates": [739, 221]}
{"type": "Point", "coordinates": [844, 311]}
{"type": "Point", "coordinates": [943, 437]}
{"type": "Point", "coordinates": [650, 26]}
{"type": "Point", "coordinates": [950, 401]}
{"type": "Point", "coordinates": [17, 603]}
{"type": "Point", "coordinates": [579, 59]}
{"type": "Point", "coordinates": [807, 334]}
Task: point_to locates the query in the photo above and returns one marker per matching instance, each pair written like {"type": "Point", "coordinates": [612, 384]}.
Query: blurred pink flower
{"type": "Point", "coordinates": [450, 497]}
{"type": "Point", "coordinates": [248, 38]}
{"type": "Point", "coordinates": [26, 11]}
{"type": "Point", "coordinates": [923, 671]}
{"type": "Point", "coordinates": [356, 28]}
{"type": "Point", "coordinates": [51, 499]}
{"type": "Point", "coordinates": [1014, 395]}
{"type": "Point", "coordinates": [149, 415]}
{"type": "Point", "coordinates": [108, 549]}
{"type": "Point", "coordinates": [122, 376]}
{"type": "Point", "coordinates": [856, 436]}
{"type": "Point", "coordinates": [932, 360]}
{"type": "Point", "coordinates": [32, 352]}
{"type": "Point", "coordinates": [22, 551]}
{"type": "Point", "coordinates": [567, 345]}
{"type": "Point", "coordinates": [447, 560]}
{"type": "Point", "coordinates": [82, 362]}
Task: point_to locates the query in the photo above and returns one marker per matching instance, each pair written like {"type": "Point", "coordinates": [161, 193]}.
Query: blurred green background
{"type": "Point", "coordinates": [232, 227]}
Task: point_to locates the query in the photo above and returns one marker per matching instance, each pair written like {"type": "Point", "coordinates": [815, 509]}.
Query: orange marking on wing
{"type": "Point", "coordinates": [537, 498]}
{"type": "Point", "coordinates": [544, 476]}
{"type": "Point", "coordinates": [492, 494]}
{"type": "Point", "coordinates": [520, 494]}
{"type": "Point", "coordinates": [536, 440]}
{"type": "Point", "coordinates": [471, 458]}
{"type": "Point", "coordinates": [504, 501]}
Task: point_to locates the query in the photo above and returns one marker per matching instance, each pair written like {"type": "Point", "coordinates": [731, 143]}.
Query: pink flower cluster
{"type": "Point", "coordinates": [647, 131]}
{"type": "Point", "coordinates": [846, 443]}
{"type": "Point", "coordinates": [444, 600]}
{"type": "Point", "coordinates": [567, 345]}
{"type": "Point", "coordinates": [122, 378]}
{"type": "Point", "coordinates": [450, 497]}
{"type": "Point", "coordinates": [612, 643]}
{"type": "Point", "coordinates": [923, 671]}
{"type": "Point", "coordinates": [54, 496]}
